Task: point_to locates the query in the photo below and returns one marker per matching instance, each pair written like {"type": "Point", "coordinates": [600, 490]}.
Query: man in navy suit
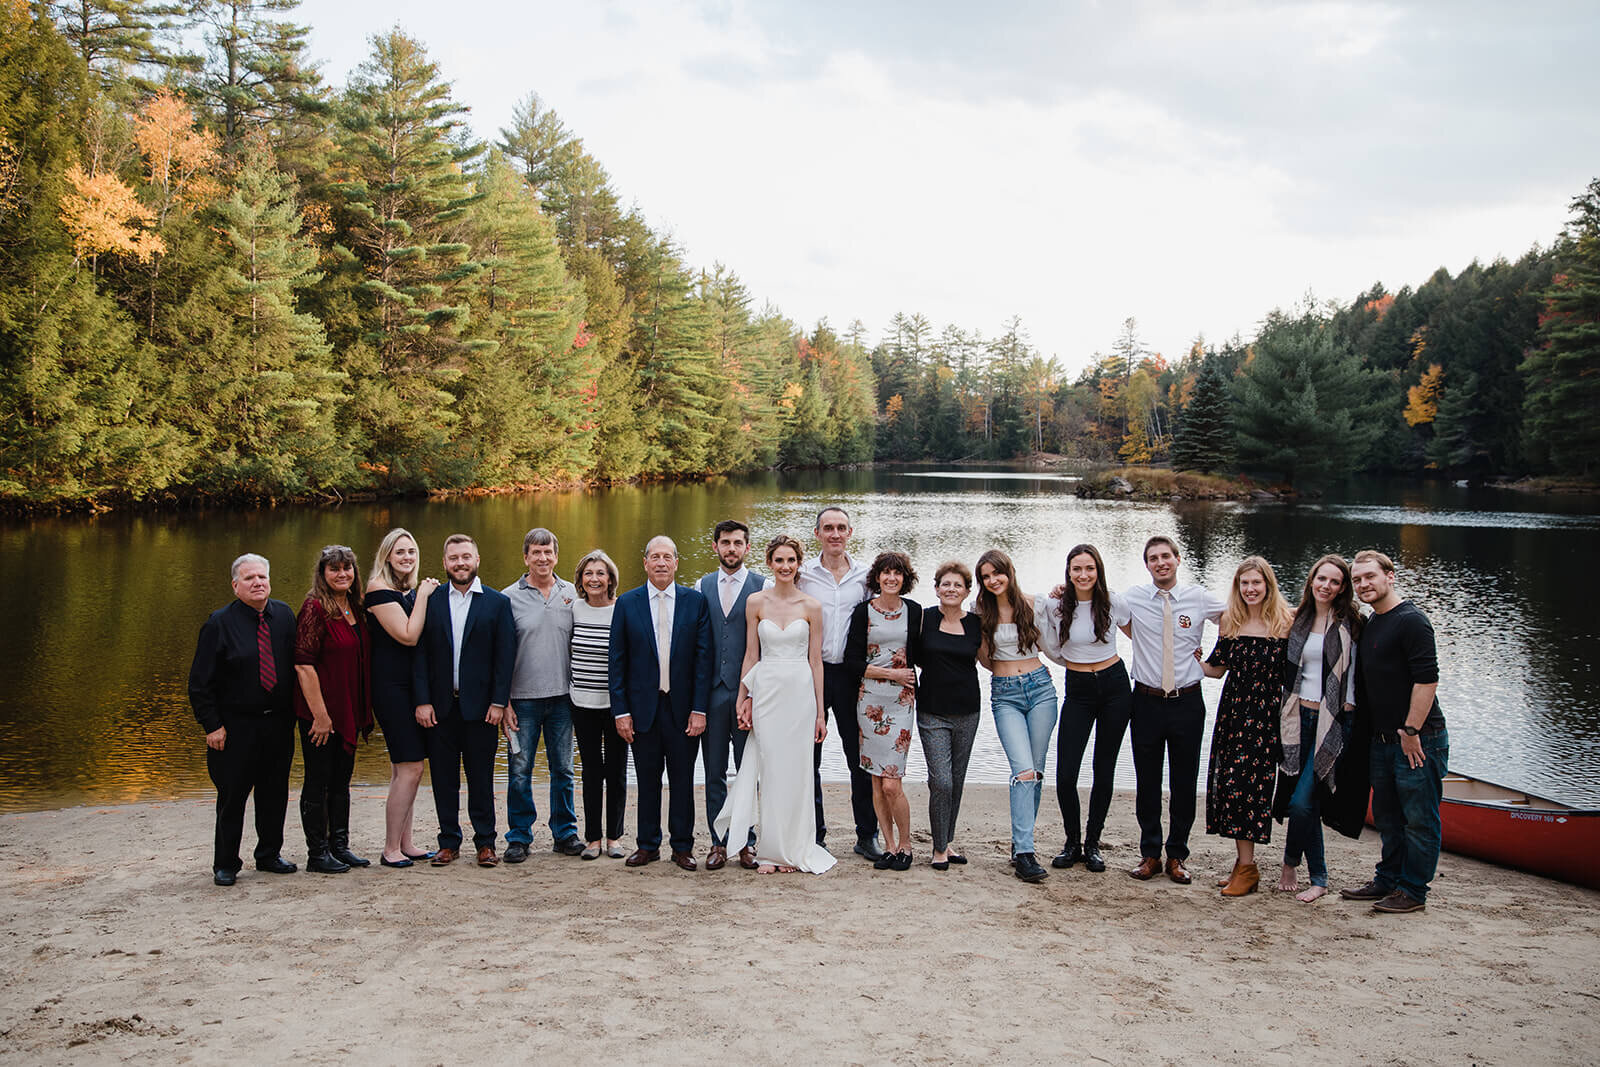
{"type": "Point", "coordinates": [660, 682]}
{"type": "Point", "coordinates": [726, 589]}
{"type": "Point", "coordinates": [461, 684]}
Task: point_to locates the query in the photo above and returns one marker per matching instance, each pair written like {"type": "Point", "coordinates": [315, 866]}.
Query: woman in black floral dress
{"type": "Point", "coordinates": [1244, 743]}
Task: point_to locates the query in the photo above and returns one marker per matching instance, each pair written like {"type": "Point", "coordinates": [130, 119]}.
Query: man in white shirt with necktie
{"type": "Point", "coordinates": [1166, 626]}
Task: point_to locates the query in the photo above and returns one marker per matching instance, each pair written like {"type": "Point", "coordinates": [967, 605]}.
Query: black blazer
{"type": "Point", "coordinates": [488, 646]}
{"type": "Point", "coordinates": [635, 676]}
{"type": "Point", "coordinates": [855, 643]}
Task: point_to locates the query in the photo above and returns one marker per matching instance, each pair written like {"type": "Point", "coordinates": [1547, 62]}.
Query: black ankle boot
{"type": "Point", "coordinates": [314, 820]}
{"type": "Point", "coordinates": [339, 849]}
{"type": "Point", "coordinates": [1070, 853]}
{"type": "Point", "coordinates": [324, 862]}
{"type": "Point", "coordinates": [1092, 860]}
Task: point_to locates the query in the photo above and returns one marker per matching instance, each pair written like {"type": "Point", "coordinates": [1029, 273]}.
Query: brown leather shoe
{"type": "Point", "coordinates": [1148, 868]}
{"type": "Point", "coordinates": [747, 858]}
{"type": "Point", "coordinates": [1225, 879]}
{"type": "Point", "coordinates": [1243, 881]}
{"type": "Point", "coordinates": [444, 857]}
{"type": "Point", "coordinates": [641, 856]}
{"type": "Point", "coordinates": [487, 858]}
{"type": "Point", "coordinates": [684, 859]}
{"type": "Point", "coordinates": [1177, 872]}
{"type": "Point", "coordinates": [717, 858]}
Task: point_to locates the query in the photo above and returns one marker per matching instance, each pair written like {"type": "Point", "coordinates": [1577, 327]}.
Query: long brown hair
{"type": "Point", "coordinates": [1099, 597]}
{"type": "Point", "coordinates": [1343, 607]}
{"type": "Point", "coordinates": [989, 607]}
{"type": "Point", "coordinates": [1274, 609]}
{"type": "Point", "coordinates": [322, 592]}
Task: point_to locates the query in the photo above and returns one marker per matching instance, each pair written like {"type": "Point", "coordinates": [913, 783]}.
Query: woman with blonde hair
{"type": "Point", "coordinates": [394, 602]}
{"type": "Point", "coordinates": [601, 750]}
{"type": "Point", "coordinates": [1244, 743]}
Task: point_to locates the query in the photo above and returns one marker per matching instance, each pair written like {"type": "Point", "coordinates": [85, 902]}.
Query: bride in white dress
{"type": "Point", "coordinates": [780, 703]}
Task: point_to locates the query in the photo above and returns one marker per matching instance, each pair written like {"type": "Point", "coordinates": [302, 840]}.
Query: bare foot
{"type": "Point", "coordinates": [1312, 893]}
{"type": "Point", "coordinates": [1288, 882]}
{"type": "Point", "coordinates": [787, 870]}
{"type": "Point", "coordinates": [766, 868]}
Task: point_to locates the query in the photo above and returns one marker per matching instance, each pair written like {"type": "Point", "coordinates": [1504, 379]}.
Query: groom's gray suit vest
{"type": "Point", "coordinates": [728, 631]}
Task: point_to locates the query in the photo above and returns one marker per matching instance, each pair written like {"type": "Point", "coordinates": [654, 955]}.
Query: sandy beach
{"type": "Point", "coordinates": [119, 948]}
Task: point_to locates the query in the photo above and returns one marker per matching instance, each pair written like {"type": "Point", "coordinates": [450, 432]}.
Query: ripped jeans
{"type": "Point", "coordinates": [1024, 708]}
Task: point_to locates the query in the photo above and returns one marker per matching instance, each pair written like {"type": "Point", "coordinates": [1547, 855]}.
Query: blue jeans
{"type": "Point", "coordinates": [1304, 837]}
{"type": "Point", "coordinates": [1405, 809]}
{"type": "Point", "coordinates": [1024, 710]}
{"type": "Point", "coordinates": [552, 716]}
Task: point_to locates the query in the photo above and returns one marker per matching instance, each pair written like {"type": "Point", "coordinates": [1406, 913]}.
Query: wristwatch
{"type": "Point", "coordinates": [1410, 730]}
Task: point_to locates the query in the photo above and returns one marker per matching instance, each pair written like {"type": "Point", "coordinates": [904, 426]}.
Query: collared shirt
{"type": "Point", "coordinates": [225, 676]}
{"type": "Point", "coordinates": [839, 598]}
{"type": "Point", "coordinates": [728, 586]}
{"type": "Point", "coordinates": [1192, 607]}
{"type": "Point", "coordinates": [542, 668]}
{"type": "Point", "coordinates": [460, 605]}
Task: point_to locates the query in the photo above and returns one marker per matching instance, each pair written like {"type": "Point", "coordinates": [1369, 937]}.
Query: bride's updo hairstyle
{"type": "Point", "coordinates": [779, 542]}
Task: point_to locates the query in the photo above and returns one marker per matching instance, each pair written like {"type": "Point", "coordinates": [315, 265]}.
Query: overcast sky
{"type": "Point", "coordinates": [1190, 165]}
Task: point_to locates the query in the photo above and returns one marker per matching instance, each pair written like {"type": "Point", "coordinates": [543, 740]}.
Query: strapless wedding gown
{"type": "Point", "coordinates": [777, 756]}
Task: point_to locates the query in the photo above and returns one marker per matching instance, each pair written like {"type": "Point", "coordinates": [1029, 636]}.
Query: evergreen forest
{"type": "Point", "coordinates": [222, 279]}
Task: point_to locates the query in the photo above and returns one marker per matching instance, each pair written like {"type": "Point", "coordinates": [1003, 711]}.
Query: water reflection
{"type": "Point", "coordinates": [102, 612]}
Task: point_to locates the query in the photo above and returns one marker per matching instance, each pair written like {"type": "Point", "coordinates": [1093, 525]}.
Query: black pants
{"type": "Point", "coordinates": [665, 745]}
{"type": "Point", "coordinates": [605, 771]}
{"type": "Point", "coordinates": [840, 694]}
{"type": "Point", "coordinates": [325, 794]}
{"type": "Point", "coordinates": [1101, 701]}
{"type": "Point", "coordinates": [455, 745]}
{"type": "Point", "coordinates": [722, 731]}
{"type": "Point", "coordinates": [1172, 728]}
{"type": "Point", "coordinates": [255, 758]}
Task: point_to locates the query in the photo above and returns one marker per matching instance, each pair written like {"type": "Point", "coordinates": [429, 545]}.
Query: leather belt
{"type": "Point", "coordinates": [1150, 690]}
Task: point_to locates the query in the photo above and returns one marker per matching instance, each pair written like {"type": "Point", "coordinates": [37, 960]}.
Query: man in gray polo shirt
{"type": "Point", "coordinates": [541, 606]}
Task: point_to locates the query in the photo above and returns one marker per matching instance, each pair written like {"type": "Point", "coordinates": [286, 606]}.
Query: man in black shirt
{"type": "Point", "coordinates": [1397, 675]}
{"type": "Point", "coordinates": [241, 688]}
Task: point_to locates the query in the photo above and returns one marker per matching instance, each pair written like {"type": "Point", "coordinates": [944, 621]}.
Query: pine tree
{"type": "Point", "coordinates": [1306, 409]}
{"type": "Point", "coordinates": [256, 74]}
{"type": "Point", "coordinates": [1205, 437]}
{"type": "Point", "coordinates": [1563, 369]}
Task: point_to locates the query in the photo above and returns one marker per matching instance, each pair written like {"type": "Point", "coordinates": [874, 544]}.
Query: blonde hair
{"type": "Point", "coordinates": [612, 578]}
{"type": "Point", "coordinates": [1275, 610]}
{"type": "Point", "coordinates": [382, 572]}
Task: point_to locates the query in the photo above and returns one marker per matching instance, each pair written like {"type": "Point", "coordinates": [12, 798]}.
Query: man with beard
{"type": "Point", "coordinates": [461, 684]}
{"type": "Point", "coordinates": [726, 589]}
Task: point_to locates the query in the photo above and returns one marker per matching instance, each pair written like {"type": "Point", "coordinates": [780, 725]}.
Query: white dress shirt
{"type": "Point", "coordinates": [1192, 607]}
{"type": "Point", "coordinates": [460, 605]}
{"type": "Point", "coordinates": [839, 598]}
{"type": "Point", "coordinates": [728, 586]}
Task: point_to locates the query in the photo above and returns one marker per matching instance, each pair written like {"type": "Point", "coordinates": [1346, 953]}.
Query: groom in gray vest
{"type": "Point", "coordinates": [726, 590]}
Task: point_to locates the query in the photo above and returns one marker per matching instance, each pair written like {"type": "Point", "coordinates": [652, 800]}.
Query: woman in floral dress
{"type": "Point", "coordinates": [1244, 743]}
{"type": "Point", "coordinates": [882, 650]}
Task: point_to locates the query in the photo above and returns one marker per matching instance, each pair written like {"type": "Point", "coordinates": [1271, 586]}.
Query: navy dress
{"type": "Point", "coordinates": [392, 703]}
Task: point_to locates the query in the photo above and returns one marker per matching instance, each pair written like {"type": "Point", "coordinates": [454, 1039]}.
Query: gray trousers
{"type": "Point", "coordinates": [947, 747]}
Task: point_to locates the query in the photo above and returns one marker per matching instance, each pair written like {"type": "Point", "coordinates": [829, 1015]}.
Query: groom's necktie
{"type": "Point", "coordinates": [664, 638]}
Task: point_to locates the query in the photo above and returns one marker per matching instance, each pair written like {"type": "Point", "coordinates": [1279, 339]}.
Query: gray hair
{"type": "Point", "coordinates": [248, 557]}
{"type": "Point", "coordinates": [540, 536]}
{"type": "Point", "coordinates": [661, 537]}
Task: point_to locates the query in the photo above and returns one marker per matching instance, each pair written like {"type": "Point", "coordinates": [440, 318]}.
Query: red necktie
{"type": "Point", "coordinates": [269, 669]}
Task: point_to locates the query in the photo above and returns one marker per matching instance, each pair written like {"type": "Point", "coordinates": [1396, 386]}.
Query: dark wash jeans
{"type": "Point", "coordinates": [1405, 809]}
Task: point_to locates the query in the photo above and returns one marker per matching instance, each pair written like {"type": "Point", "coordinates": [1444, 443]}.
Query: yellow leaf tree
{"type": "Point", "coordinates": [1422, 399]}
{"type": "Point", "coordinates": [104, 216]}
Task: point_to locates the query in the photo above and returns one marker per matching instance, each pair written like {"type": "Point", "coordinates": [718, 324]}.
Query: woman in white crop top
{"type": "Point", "coordinates": [1021, 695]}
{"type": "Point", "coordinates": [1081, 635]}
{"type": "Point", "coordinates": [1315, 719]}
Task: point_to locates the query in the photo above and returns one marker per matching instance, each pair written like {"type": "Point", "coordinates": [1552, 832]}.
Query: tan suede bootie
{"type": "Point", "coordinates": [1245, 878]}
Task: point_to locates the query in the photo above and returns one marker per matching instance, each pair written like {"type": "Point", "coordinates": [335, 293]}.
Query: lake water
{"type": "Point", "coordinates": [101, 613]}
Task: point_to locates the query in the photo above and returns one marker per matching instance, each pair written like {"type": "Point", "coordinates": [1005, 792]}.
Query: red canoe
{"type": "Point", "coordinates": [1522, 830]}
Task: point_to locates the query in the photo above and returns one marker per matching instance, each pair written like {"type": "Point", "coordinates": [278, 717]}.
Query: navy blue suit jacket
{"type": "Point", "coordinates": [488, 647]}
{"type": "Point", "coordinates": [635, 669]}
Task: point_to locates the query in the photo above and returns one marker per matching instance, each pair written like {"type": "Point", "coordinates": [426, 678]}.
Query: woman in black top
{"type": "Point", "coordinates": [948, 702]}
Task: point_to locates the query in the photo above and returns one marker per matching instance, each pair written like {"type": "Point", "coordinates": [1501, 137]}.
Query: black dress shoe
{"type": "Point", "coordinates": [940, 865]}
{"type": "Point", "coordinates": [419, 855]}
{"type": "Point", "coordinates": [1070, 853]}
{"type": "Point", "coordinates": [220, 876]}
{"type": "Point", "coordinates": [867, 848]}
{"type": "Point", "coordinates": [1028, 868]}
{"type": "Point", "coordinates": [401, 862]}
{"type": "Point", "coordinates": [1092, 860]}
{"type": "Point", "coordinates": [324, 863]}
{"type": "Point", "coordinates": [348, 858]}
{"type": "Point", "coordinates": [516, 852]}
{"type": "Point", "coordinates": [276, 865]}
{"type": "Point", "coordinates": [958, 859]}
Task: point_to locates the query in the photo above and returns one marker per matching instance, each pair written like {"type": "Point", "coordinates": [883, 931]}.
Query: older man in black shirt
{"type": "Point", "coordinates": [1397, 675]}
{"type": "Point", "coordinates": [241, 686]}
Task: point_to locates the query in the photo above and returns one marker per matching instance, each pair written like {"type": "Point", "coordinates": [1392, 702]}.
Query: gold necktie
{"type": "Point", "coordinates": [1169, 670]}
